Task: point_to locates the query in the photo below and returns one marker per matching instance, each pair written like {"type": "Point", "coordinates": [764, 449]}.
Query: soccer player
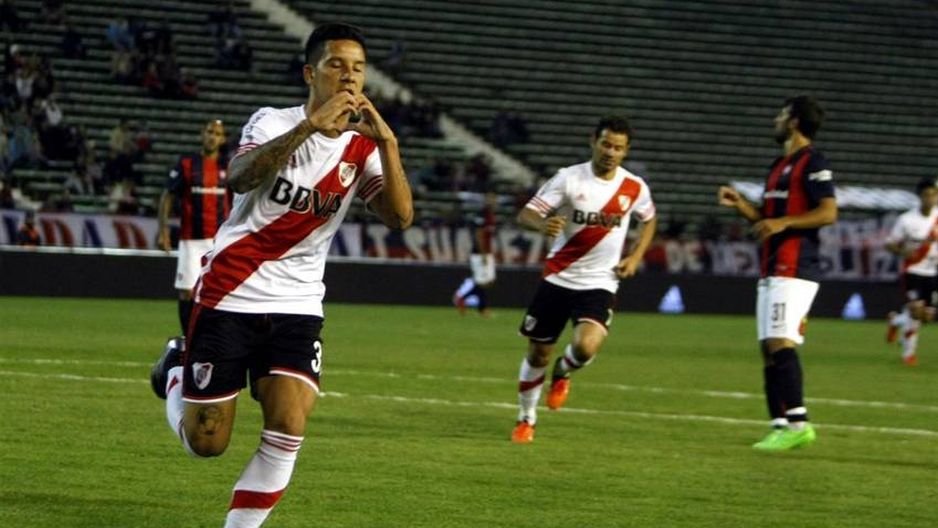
{"type": "Point", "coordinates": [473, 292]}
{"type": "Point", "coordinates": [587, 208]}
{"type": "Point", "coordinates": [913, 239]}
{"type": "Point", "coordinates": [198, 181]}
{"type": "Point", "coordinates": [798, 199]}
{"type": "Point", "coordinates": [258, 303]}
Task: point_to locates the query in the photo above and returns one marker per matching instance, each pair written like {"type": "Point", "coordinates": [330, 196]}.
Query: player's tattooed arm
{"type": "Point", "coordinates": [258, 166]}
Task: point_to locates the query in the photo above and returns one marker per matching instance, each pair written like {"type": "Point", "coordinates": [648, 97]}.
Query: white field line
{"type": "Point", "coordinates": [511, 406]}
{"type": "Point", "coordinates": [735, 395]}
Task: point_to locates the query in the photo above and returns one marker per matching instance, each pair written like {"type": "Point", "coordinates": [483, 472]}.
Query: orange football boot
{"type": "Point", "coordinates": [559, 390]}
{"type": "Point", "coordinates": [523, 433]}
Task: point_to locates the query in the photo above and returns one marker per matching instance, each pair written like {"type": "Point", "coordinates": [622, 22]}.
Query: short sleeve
{"type": "Point", "coordinates": [550, 196]}
{"type": "Point", "coordinates": [897, 233]}
{"type": "Point", "coordinates": [174, 180]}
{"type": "Point", "coordinates": [818, 179]}
{"type": "Point", "coordinates": [644, 206]}
{"type": "Point", "coordinates": [257, 131]}
{"type": "Point", "coordinates": [372, 178]}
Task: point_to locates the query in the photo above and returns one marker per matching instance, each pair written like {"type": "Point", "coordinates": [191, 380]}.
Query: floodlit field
{"type": "Point", "coordinates": [413, 431]}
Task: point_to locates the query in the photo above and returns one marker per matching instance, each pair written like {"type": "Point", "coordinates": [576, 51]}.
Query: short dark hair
{"type": "Point", "coordinates": [809, 113]}
{"type": "Point", "coordinates": [316, 43]}
{"type": "Point", "coordinates": [613, 123]}
{"type": "Point", "coordinates": [924, 183]}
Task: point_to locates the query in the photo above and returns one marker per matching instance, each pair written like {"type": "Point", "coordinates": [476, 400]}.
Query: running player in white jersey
{"type": "Point", "coordinates": [587, 208]}
{"type": "Point", "coordinates": [913, 239]}
{"type": "Point", "coordinates": [258, 310]}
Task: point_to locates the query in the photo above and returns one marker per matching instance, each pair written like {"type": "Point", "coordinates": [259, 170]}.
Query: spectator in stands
{"type": "Point", "coordinates": [53, 11]}
{"type": "Point", "coordinates": [188, 86]}
{"type": "Point", "coordinates": [4, 149]}
{"type": "Point", "coordinates": [72, 45]}
{"type": "Point", "coordinates": [508, 128]}
{"type": "Point", "coordinates": [90, 172]}
{"type": "Point", "coordinates": [396, 58]}
{"type": "Point", "coordinates": [25, 149]}
{"type": "Point", "coordinates": [123, 66]}
{"type": "Point", "coordinates": [121, 141]}
{"type": "Point", "coordinates": [25, 79]}
{"type": "Point", "coordinates": [478, 173]}
{"type": "Point", "coordinates": [222, 20]}
{"type": "Point", "coordinates": [123, 198]}
{"type": "Point", "coordinates": [119, 35]}
{"type": "Point", "coordinates": [7, 200]}
{"type": "Point", "coordinates": [9, 18]}
{"type": "Point", "coordinates": [14, 58]}
{"type": "Point", "coordinates": [143, 143]}
{"type": "Point", "coordinates": [27, 234]}
{"type": "Point", "coordinates": [295, 68]}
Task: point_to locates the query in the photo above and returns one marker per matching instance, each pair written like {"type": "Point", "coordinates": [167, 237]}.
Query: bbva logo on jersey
{"type": "Point", "coordinates": [303, 199]}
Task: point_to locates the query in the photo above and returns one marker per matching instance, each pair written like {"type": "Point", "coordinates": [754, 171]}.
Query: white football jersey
{"type": "Point", "coordinates": [584, 256]}
{"type": "Point", "coordinates": [917, 232]}
{"type": "Point", "coordinates": [269, 256]}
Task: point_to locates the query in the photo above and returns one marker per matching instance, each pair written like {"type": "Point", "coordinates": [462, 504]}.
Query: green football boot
{"type": "Point", "coordinates": [785, 439]}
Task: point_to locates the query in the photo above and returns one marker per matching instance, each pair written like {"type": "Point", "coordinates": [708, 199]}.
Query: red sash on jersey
{"type": "Point", "coordinates": [586, 239]}
{"type": "Point", "coordinates": [922, 250]}
{"type": "Point", "coordinates": [238, 261]}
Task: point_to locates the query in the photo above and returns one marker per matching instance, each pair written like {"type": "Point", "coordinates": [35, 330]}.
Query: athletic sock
{"type": "Point", "coordinates": [790, 385]}
{"type": "Point", "coordinates": [772, 397]}
{"type": "Point", "coordinates": [901, 318]}
{"type": "Point", "coordinates": [910, 337]}
{"type": "Point", "coordinates": [530, 383]}
{"type": "Point", "coordinates": [569, 363]}
{"type": "Point", "coordinates": [175, 407]}
{"type": "Point", "coordinates": [185, 310]}
{"type": "Point", "coordinates": [264, 480]}
{"type": "Point", "coordinates": [463, 290]}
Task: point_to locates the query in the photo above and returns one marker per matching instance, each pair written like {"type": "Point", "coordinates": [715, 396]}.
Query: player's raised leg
{"type": "Point", "coordinates": [286, 402]}
{"type": "Point", "coordinates": [588, 337]}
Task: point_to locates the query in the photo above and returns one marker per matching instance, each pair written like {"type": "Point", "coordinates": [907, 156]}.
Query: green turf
{"type": "Point", "coordinates": [415, 433]}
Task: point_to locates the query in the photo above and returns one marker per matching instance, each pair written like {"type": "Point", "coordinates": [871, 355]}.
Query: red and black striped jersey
{"type": "Point", "coordinates": [199, 184]}
{"type": "Point", "coordinates": [795, 185]}
{"type": "Point", "coordinates": [483, 231]}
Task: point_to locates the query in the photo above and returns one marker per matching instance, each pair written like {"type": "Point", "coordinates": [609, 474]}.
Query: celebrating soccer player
{"type": "Point", "coordinates": [587, 208]}
{"type": "Point", "coordinates": [798, 199]}
{"type": "Point", "coordinates": [198, 181]}
{"type": "Point", "coordinates": [258, 304]}
{"type": "Point", "coordinates": [913, 239]}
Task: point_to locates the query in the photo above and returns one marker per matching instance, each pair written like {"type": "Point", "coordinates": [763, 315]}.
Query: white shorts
{"type": "Point", "coordinates": [782, 306]}
{"type": "Point", "coordinates": [189, 262]}
{"type": "Point", "coordinates": [483, 268]}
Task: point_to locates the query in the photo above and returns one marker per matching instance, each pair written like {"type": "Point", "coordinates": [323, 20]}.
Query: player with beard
{"type": "Point", "coordinates": [798, 199]}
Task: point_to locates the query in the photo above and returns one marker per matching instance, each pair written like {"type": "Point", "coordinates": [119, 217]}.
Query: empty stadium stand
{"type": "Point", "coordinates": [701, 81]}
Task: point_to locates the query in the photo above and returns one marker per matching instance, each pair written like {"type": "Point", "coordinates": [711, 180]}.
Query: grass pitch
{"type": "Point", "coordinates": [413, 431]}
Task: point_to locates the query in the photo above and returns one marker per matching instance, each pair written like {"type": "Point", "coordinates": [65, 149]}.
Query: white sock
{"type": "Point", "coordinates": [464, 288]}
{"type": "Point", "coordinates": [530, 383]}
{"type": "Point", "coordinates": [910, 338]}
{"type": "Point", "coordinates": [569, 362]}
{"type": "Point", "coordinates": [901, 318]}
{"type": "Point", "coordinates": [175, 407]}
{"type": "Point", "coordinates": [264, 480]}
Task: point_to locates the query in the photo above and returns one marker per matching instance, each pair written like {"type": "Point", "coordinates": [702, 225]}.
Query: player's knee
{"type": "Point", "coordinates": [773, 345]}
{"type": "Point", "coordinates": [585, 349]}
{"type": "Point", "coordinates": [539, 354]}
{"type": "Point", "coordinates": [206, 446]}
{"type": "Point", "coordinates": [293, 424]}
